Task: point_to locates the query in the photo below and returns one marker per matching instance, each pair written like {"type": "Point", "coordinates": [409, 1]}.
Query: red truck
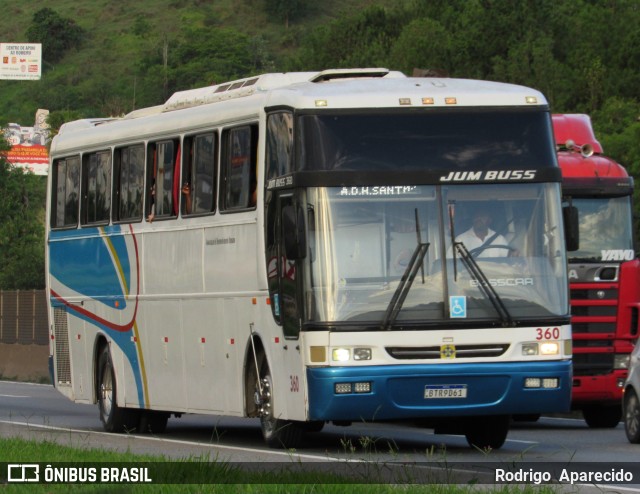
{"type": "Point", "coordinates": [604, 273]}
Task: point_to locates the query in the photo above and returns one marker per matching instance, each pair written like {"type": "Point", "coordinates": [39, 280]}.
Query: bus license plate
{"type": "Point", "coordinates": [445, 391]}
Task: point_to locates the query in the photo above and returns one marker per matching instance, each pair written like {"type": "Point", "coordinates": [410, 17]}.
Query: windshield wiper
{"type": "Point", "coordinates": [483, 283]}
{"type": "Point", "coordinates": [404, 286]}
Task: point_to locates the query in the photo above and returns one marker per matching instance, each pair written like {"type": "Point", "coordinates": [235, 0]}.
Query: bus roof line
{"type": "Point", "coordinates": [251, 85]}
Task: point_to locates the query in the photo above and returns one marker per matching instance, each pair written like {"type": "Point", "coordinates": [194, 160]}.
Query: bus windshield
{"type": "Point", "coordinates": [388, 256]}
{"type": "Point", "coordinates": [454, 140]}
{"type": "Point", "coordinates": [605, 226]}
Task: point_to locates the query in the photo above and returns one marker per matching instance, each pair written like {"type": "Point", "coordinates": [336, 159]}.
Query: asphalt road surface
{"type": "Point", "coordinates": [40, 412]}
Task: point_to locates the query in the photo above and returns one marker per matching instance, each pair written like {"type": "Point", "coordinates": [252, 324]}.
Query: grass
{"type": "Point", "coordinates": [209, 475]}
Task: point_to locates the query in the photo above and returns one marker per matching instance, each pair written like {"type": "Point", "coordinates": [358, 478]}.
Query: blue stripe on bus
{"type": "Point", "coordinates": [398, 391]}
{"type": "Point", "coordinates": [88, 266]}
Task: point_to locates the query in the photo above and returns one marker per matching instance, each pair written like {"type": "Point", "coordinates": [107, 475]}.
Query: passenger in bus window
{"type": "Point", "coordinates": [152, 202]}
{"type": "Point", "coordinates": [480, 236]}
{"type": "Point", "coordinates": [186, 191]}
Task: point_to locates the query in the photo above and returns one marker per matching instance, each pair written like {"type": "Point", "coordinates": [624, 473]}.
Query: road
{"type": "Point", "coordinates": [39, 411]}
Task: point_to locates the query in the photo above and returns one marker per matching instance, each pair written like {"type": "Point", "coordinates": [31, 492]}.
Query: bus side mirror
{"type": "Point", "coordinates": [571, 231]}
{"type": "Point", "coordinates": [295, 244]}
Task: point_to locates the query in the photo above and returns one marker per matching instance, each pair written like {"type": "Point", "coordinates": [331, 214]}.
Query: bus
{"type": "Point", "coordinates": [604, 273]}
{"type": "Point", "coordinates": [287, 247]}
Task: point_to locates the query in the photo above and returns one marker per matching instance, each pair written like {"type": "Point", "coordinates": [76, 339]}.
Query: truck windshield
{"type": "Point", "coordinates": [605, 229]}
{"type": "Point", "coordinates": [385, 256]}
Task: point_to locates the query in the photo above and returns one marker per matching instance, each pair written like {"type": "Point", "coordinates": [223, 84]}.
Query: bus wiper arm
{"type": "Point", "coordinates": [483, 283]}
{"type": "Point", "coordinates": [404, 286]}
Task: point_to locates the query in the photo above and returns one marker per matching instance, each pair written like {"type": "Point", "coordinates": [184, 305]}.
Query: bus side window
{"type": "Point", "coordinates": [128, 183]}
{"type": "Point", "coordinates": [239, 168]}
{"type": "Point", "coordinates": [66, 191]}
{"type": "Point", "coordinates": [199, 174]}
{"type": "Point", "coordinates": [96, 188]}
{"type": "Point", "coordinates": [163, 162]}
{"type": "Point", "coordinates": [279, 144]}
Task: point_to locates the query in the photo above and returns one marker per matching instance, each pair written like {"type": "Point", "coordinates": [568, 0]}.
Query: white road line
{"type": "Point", "coordinates": [287, 454]}
{"type": "Point", "coordinates": [16, 396]}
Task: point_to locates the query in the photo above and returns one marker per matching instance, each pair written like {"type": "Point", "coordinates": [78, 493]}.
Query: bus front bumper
{"type": "Point", "coordinates": [438, 390]}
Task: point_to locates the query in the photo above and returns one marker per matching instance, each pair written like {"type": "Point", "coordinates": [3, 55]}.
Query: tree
{"type": "Point", "coordinates": [57, 34]}
{"type": "Point", "coordinates": [22, 200]}
{"type": "Point", "coordinates": [287, 10]}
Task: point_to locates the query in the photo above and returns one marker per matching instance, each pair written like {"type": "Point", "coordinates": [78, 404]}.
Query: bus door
{"type": "Point", "coordinates": [286, 247]}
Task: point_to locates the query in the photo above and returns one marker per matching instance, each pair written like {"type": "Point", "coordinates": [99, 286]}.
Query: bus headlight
{"type": "Point", "coordinates": [345, 354]}
{"type": "Point", "coordinates": [542, 348]}
{"type": "Point", "coordinates": [549, 348]}
{"type": "Point", "coordinates": [340, 354]}
{"type": "Point", "coordinates": [362, 354]}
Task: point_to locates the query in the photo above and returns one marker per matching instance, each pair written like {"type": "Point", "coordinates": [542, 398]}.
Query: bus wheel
{"type": "Point", "coordinates": [602, 416]}
{"type": "Point", "coordinates": [632, 417]}
{"type": "Point", "coordinates": [277, 433]}
{"type": "Point", "coordinates": [113, 417]}
{"type": "Point", "coordinates": [487, 432]}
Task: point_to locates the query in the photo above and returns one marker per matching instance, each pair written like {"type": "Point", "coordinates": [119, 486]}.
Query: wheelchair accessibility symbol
{"type": "Point", "coordinates": [458, 306]}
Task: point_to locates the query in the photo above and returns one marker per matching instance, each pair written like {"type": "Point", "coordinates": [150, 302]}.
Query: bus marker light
{"type": "Point", "coordinates": [343, 388]}
{"type": "Point", "coordinates": [321, 102]}
{"type": "Point", "coordinates": [531, 100]}
{"type": "Point", "coordinates": [568, 347]}
{"type": "Point", "coordinates": [450, 101]}
{"type": "Point", "coordinates": [202, 340]}
{"type": "Point", "coordinates": [405, 101]}
{"type": "Point", "coordinates": [362, 354]}
{"type": "Point", "coordinates": [428, 101]}
{"type": "Point", "coordinates": [318, 354]}
{"type": "Point", "coordinates": [340, 354]}
{"type": "Point", "coordinates": [254, 301]}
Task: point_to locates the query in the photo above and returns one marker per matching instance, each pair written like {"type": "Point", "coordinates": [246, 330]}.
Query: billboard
{"type": "Point", "coordinates": [28, 144]}
{"type": "Point", "coordinates": [20, 61]}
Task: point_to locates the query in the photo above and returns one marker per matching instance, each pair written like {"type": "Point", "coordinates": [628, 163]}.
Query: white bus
{"type": "Point", "coordinates": [289, 247]}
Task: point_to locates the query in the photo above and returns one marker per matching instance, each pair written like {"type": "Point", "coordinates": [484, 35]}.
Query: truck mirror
{"type": "Point", "coordinates": [295, 245]}
{"type": "Point", "coordinates": [571, 230]}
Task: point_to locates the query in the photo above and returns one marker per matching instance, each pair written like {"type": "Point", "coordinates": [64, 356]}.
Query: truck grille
{"type": "Point", "coordinates": [592, 364]}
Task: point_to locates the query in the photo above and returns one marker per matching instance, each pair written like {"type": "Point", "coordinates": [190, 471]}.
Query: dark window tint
{"type": "Point", "coordinates": [162, 187]}
{"type": "Point", "coordinates": [129, 180]}
{"type": "Point", "coordinates": [239, 167]}
{"type": "Point", "coordinates": [96, 180]}
{"type": "Point", "coordinates": [66, 190]}
{"type": "Point", "coordinates": [199, 174]}
{"type": "Point", "coordinates": [279, 144]}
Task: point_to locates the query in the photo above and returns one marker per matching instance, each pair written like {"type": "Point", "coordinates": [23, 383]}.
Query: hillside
{"type": "Point", "coordinates": [136, 54]}
{"type": "Point", "coordinates": [110, 57]}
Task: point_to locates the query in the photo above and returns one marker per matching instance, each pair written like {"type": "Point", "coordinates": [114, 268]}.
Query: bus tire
{"type": "Point", "coordinates": [486, 433]}
{"type": "Point", "coordinates": [602, 416]}
{"type": "Point", "coordinates": [113, 417]}
{"type": "Point", "coordinates": [277, 433]}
